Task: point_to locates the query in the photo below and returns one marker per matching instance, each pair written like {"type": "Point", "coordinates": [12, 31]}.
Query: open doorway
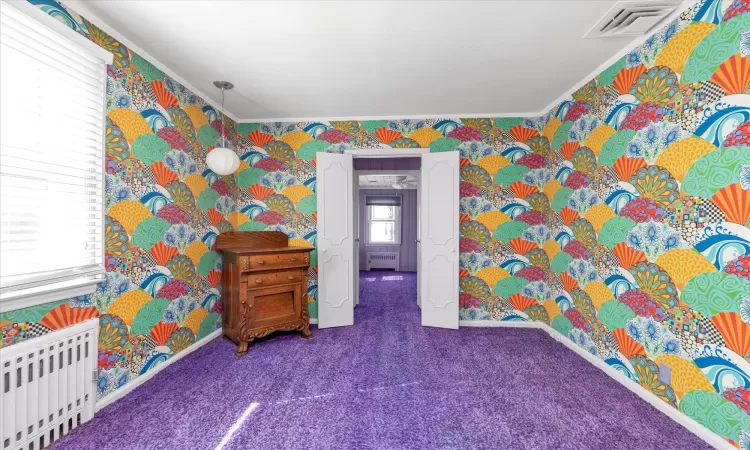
{"type": "Point", "coordinates": [387, 227]}
{"type": "Point", "coordinates": [337, 190]}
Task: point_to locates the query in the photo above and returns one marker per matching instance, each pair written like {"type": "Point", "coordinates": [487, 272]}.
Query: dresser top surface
{"type": "Point", "coordinates": [256, 251]}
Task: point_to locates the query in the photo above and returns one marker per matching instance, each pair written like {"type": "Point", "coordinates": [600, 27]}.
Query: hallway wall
{"type": "Point", "coordinates": [408, 248]}
{"type": "Point", "coordinates": [387, 163]}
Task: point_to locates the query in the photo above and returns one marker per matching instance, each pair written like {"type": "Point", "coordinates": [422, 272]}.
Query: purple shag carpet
{"type": "Point", "coordinates": [385, 383]}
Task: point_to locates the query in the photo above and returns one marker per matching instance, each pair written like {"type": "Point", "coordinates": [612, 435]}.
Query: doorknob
{"type": "Point", "coordinates": [356, 240]}
{"type": "Point", "coordinates": [453, 250]}
{"type": "Point", "coordinates": [416, 240]}
{"type": "Point", "coordinates": [324, 250]}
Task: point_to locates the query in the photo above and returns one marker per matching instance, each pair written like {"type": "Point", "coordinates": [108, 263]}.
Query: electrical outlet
{"type": "Point", "coordinates": [665, 373]}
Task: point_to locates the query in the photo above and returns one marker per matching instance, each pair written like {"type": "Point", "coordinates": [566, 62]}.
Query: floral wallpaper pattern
{"type": "Point", "coordinates": [619, 218]}
{"type": "Point", "coordinates": [164, 209]}
{"type": "Point", "coordinates": [649, 210]}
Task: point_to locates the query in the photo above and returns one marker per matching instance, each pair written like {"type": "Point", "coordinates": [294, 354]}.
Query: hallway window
{"type": "Point", "coordinates": [383, 220]}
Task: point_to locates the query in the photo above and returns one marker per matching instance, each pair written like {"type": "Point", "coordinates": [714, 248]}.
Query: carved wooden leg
{"type": "Point", "coordinates": [305, 322]}
{"type": "Point", "coordinates": [241, 349]}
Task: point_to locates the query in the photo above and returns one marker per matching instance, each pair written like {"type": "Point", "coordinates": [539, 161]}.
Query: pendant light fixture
{"type": "Point", "coordinates": [223, 160]}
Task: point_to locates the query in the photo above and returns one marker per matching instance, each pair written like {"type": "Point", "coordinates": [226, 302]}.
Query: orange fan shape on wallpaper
{"type": "Point", "coordinates": [521, 246]}
{"type": "Point", "coordinates": [569, 215]}
{"type": "Point", "coordinates": [522, 190]}
{"type": "Point", "coordinates": [627, 167]}
{"type": "Point", "coordinates": [259, 139]}
{"type": "Point", "coordinates": [64, 316]}
{"type": "Point", "coordinates": [736, 333]}
{"type": "Point", "coordinates": [625, 79]}
{"type": "Point", "coordinates": [734, 202]}
{"type": "Point", "coordinates": [628, 256]}
{"type": "Point", "coordinates": [163, 175]}
{"type": "Point", "coordinates": [163, 96]}
{"type": "Point", "coordinates": [627, 345]}
{"type": "Point", "coordinates": [163, 253]}
{"type": "Point", "coordinates": [162, 331]}
{"type": "Point", "coordinates": [521, 302]}
{"type": "Point", "coordinates": [567, 149]}
{"type": "Point", "coordinates": [214, 216]}
{"type": "Point", "coordinates": [568, 282]}
{"type": "Point", "coordinates": [734, 75]}
{"type": "Point", "coordinates": [523, 134]}
{"type": "Point", "coordinates": [214, 277]}
{"type": "Point", "coordinates": [386, 135]}
{"type": "Point", "coordinates": [260, 192]}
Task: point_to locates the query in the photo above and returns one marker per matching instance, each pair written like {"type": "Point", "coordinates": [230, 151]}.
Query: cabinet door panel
{"type": "Point", "coordinates": [274, 305]}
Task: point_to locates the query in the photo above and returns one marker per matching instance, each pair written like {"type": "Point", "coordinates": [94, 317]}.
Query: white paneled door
{"type": "Point", "coordinates": [438, 268]}
{"type": "Point", "coordinates": [334, 186]}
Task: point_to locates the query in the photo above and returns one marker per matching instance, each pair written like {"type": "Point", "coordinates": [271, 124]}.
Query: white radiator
{"type": "Point", "coordinates": [48, 386]}
{"type": "Point", "coordinates": [382, 260]}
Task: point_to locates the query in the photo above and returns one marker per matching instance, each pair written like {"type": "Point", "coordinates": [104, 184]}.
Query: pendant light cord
{"type": "Point", "coordinates": [223, 135]}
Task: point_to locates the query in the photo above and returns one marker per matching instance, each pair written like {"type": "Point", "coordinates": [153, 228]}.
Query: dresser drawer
{"type": "Point", "coordinates": [278, 261]}
{"type": "Point", "coordinates": [260, 280]}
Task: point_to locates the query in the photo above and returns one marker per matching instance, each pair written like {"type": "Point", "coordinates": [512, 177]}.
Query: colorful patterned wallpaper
{"type": "Point", "coordinates": [620, 218]}
{"type": "Point", "coordinates": [164, 209]}
{"type": "Point", "coordinates": [647, 183]}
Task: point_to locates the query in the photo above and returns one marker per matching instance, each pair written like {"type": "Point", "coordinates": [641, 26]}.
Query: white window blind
{"type": "Point", "coordinates": [51, 157]}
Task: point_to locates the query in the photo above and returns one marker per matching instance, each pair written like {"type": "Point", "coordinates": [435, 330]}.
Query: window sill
{"type": "Point", "coordinates": [15, 301]}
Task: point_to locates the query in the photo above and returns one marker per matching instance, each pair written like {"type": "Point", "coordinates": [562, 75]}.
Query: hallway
{"type": "Point", "coordinates": [385, 383]}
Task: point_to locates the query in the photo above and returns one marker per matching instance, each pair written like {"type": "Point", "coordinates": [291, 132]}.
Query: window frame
{"type": "Point", "coordinates": [397, 225]}
{"type": "Point", "coordinates": [64, 290]}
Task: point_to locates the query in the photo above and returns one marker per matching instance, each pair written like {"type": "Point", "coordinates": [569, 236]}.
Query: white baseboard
{"type": "Point", "coordinates": [125, 390]}
{"type": "Point", "coordinates": [500, 323]}
{"type": "Point", "coordinates": [313, 321]}
{"type": "Point", "coordinates": [691, 425]}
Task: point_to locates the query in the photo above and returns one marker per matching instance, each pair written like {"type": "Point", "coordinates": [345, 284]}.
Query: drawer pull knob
{"type": "Point", "coordinates": [258, 281]}
{"type": "Point", "coordinates": [293, 259]}
{"type": "Point", "coordinates": [260, 262]}
{"type": "Point", "coordinates": [290, 277]}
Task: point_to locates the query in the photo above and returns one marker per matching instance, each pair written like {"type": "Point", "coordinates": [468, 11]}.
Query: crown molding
{"type": "Point", "coordinates": [628, 48]}
{"type": "Point", "coordinates": [391, 117]}
{"type": "Point", "coordinates": [80, 7]}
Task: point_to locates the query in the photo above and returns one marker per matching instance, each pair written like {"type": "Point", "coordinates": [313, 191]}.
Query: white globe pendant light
{"type": "Point", "coordinates": [223, 160]}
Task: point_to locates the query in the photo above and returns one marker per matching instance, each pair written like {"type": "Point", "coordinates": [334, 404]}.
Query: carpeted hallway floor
{"type": "Point", "coordinates": [385, 383]}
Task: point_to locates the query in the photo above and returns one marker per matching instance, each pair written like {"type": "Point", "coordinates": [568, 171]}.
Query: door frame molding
{"type": "Point", "coordinates": [387, 153]}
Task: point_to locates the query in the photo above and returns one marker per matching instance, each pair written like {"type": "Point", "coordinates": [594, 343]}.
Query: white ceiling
{"type": "Point", "coordinates": [295, 60]}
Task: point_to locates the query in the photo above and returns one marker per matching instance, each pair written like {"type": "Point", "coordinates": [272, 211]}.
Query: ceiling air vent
{"type": "Point", "coordinates": [632, 18]}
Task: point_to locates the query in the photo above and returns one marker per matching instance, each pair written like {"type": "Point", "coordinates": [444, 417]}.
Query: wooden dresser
{"type": "Point", "coordinates": [264, 286]}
